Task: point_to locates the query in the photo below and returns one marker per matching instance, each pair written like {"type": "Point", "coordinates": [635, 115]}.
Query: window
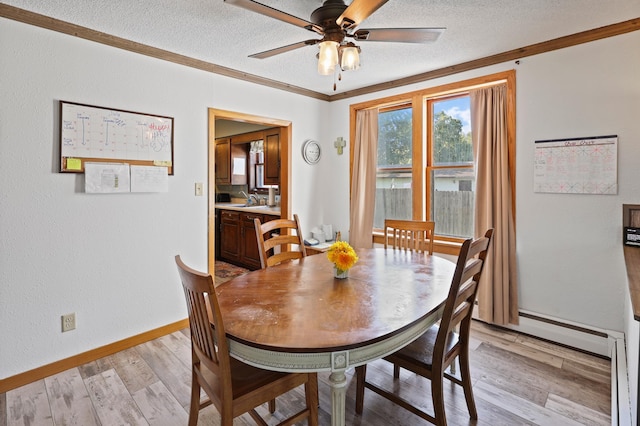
{"type": "Point", "coordinates": [450, 167]}
{"type": "Point", "coordinates": [257, 161]}
{"type": "Point", "coordinates": [449, 161]}
{"type": "Point", "coordinates": [425, 166]}
{"type": "Point", "coordinates": [393, 172]}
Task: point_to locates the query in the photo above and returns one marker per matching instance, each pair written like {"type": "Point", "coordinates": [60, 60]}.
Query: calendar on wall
{"type": "Point", "coordinates": [576, 166]}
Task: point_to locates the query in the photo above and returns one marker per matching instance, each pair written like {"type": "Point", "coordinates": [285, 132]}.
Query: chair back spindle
{"type": "Point", "coordinates": [413, 235]}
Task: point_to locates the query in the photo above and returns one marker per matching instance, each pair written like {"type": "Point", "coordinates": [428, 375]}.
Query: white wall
{"type": "Point", "coordinates": [109, 258]}
{"type": "Point", "coordinates": [569, 246]}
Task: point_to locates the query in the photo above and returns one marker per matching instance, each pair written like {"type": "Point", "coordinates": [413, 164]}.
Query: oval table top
{"type": "Point", "coordinates": [300, 307]}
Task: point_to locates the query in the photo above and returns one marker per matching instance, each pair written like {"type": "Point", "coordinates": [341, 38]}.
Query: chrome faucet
{"type": "Point", "coordinates": [256, 201]}
{"type": "Point", "coordinates": [251, 199]}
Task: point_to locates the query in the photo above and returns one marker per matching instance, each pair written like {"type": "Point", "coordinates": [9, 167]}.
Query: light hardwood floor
{"type": "Point", "coordinates": [518, 380]}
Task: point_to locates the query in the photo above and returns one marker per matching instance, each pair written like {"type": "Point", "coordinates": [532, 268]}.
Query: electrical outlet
{"type": "Point", "coordinates": [68, 322]}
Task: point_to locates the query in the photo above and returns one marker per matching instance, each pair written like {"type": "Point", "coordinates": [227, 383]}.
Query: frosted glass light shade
{"type": "Point", "coordinates": [350, 58]}
{"type": "Point", "coordinates": [328, 57]}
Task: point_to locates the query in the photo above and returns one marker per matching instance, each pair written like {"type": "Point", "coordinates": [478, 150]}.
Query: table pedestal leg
{"type": "Point", "coordinates": [338, 382]}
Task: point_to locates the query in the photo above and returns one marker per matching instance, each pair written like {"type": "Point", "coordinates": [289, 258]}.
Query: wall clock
{"type": "Point", "coordinates": [311, 151]}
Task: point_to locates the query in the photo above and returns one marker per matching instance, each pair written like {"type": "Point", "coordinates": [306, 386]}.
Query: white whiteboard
{"type": "Point", "coordinates": [577, 165]}
{"type": "Point", "coordinates": [96, 133]}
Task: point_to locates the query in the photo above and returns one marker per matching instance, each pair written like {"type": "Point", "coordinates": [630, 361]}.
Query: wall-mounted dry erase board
{"type": "Point", "coordinates": [97, 134]}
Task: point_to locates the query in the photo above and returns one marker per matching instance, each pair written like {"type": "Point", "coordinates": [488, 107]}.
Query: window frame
{"type": "Point", "coordinates": [421, 169]}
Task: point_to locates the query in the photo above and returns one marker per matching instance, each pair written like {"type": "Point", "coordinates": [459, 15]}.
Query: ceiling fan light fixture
{"type": "Point", "coordinates": [350, 57]}
{"type": "Point", "coordinates": [328, 57]}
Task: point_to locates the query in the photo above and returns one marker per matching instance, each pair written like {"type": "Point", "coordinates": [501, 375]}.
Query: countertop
{"type": "Point", "coordinates": [632, 260]}
{"type": "Point", "coordinates": [272, 211]}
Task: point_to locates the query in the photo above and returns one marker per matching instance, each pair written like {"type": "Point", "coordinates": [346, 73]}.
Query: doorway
{"type": "Point", "coordinates": [285, 167]}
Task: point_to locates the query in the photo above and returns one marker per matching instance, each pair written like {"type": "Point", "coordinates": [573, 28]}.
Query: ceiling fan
{"type": "Point", "coordinates": [336, 23]}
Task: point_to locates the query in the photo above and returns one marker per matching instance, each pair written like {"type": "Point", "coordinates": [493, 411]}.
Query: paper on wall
{"type": "Point", "coordinates": [106, 178]}
{"type": "Point", "coordinates": [149, 179]}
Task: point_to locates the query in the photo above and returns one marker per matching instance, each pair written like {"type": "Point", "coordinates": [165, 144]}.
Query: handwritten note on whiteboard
{"type": "Point", "coordinates": [90, 132]}
{"type": "Point", "coordinates": [577, 165]}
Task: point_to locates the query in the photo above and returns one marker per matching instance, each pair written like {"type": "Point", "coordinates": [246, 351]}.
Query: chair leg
{"type": "Point", "coordinates": [272, 406]}
{"type": "Point", "coordinates": [194, 407]}
{"type": "Point", "coordinates": [361, 374]}
{"type": "Point", "coordinates": [396, 371]}
{"type": "Point", "coordinates": [226, 419]}
{"type": "Point", "coordinates": [465, 375]}
{"type": "Point", "coordinates": [311, 395]}
{"type": "Point", "coordinates": [437, 395]}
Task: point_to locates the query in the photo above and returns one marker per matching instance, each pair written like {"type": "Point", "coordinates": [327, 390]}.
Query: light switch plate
{"type": "Point", "coordinates": [198, 189]}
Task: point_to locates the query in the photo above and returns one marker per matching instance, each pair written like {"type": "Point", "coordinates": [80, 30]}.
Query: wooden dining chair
{"type": "Point", "coordinates": [415, 235]}
{"type": "Point", "coordinates": [279, 240]}
{"type": "Point", "coordinates": [431, 354]}
{"type": "Point", "coordinates": [232, 386]}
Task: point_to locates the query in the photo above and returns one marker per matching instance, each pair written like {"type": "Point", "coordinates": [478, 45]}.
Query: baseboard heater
{"type": "Point", "coordinates": [605, 343]}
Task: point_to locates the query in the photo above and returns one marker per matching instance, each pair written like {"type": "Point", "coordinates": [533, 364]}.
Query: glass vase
{"type": "Point", "coordinates": [340, 273]}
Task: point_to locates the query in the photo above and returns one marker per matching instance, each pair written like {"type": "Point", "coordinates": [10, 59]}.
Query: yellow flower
{"type": "Point", "coordinates": [342, 255]}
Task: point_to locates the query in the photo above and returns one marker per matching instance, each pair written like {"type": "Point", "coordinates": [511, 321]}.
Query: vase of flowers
{"type": "Point", "coordinates": [343, 257]}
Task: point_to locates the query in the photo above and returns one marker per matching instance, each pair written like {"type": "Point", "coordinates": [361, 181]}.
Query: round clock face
{"type": "Point", "coordinates": [311, 151]}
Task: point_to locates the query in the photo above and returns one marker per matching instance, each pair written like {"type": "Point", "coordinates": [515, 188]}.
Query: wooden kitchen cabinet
{"type": "Point", "coordinates": [223, 161]}
{"type": "Point", "coordinates": [249, 254]}
{"type": "Point", "coordinates": [238, 242]}
{"type": "Point", "coordinates": [229, 236]}
{"type": "Point", "coordinates": [272, 157]}
{"type": "Point", "coordinates": [231, 162]}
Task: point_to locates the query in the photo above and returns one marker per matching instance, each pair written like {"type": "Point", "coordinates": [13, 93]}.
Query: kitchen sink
{"type": "Point", "coordinates": [255, 206]}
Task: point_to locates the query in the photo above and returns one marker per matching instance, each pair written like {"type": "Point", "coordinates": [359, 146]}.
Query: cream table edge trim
{"type": "Point", "coordinates": [329, 361]}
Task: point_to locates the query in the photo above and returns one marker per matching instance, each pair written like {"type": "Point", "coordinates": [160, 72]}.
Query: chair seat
{"type": "Point", "coordinates": [246, 378]}
{"type": "Point", "coordinates": [420, 351]}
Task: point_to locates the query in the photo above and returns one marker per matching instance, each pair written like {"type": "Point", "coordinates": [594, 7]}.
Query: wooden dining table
{"type": "Point", "coordinates": [297, 317]}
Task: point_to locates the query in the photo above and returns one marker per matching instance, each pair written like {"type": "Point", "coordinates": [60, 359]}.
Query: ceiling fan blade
{"type": "Point", "coordinates": [399, 35]}
{"type": "Point", "coordinates": [262, 9]}
{"type": "Point", "coordinates": [358, 11]}
{"type": "Point", "coordinates": [283, 49]}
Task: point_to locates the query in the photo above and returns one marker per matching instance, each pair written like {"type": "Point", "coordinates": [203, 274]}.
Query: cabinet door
{"type": "Point", "coordinates": [223, 161]}
{"type": "Point", "coordinates": [229, 236]}
{"type": "Point", "coordinates": [250, 254]}
{"type": "Point", "coordinates": [239, 159]}
{"type": "Point", "coordinates": [272, 157]}
{"type": "Point", "coordinates": [218, 212]}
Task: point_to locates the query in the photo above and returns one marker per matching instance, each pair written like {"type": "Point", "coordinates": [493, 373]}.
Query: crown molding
{"type": "Point", "coordinates": [42, 21]}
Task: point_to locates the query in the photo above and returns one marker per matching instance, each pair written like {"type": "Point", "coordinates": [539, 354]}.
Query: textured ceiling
{"type": "Point", "coordinates": [225, 35]}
